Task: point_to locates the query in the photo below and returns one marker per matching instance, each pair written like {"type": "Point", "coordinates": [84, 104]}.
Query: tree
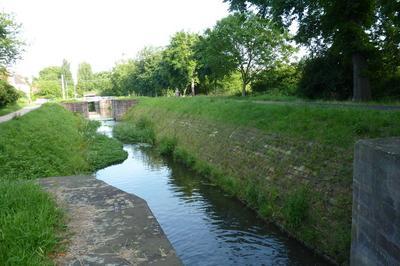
{"type": "Point", "coordinates": [85, 78]}
{"type": "Point", "coordinates": [8, 94]}
{"type": "Point", "coordinates": [178, 62]}
{"type": "Point", "coordinates": [341, 27]}
{"type": "Point", "coordinates": [102, 82]}
{"type": "Point", "coordinates": [148, 80]}
{"type": "Point", "coordinates": [10, 44]}
{"type": "Point", "coordinates": [246, 43]}
{"type": "Point", "coordinates": [49, 82]}
{"type": "Point", "coordinates": [123, 78]}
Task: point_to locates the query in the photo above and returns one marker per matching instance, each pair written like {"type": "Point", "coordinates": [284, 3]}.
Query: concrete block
{"type": "Point", "coordinates": [376, 203]}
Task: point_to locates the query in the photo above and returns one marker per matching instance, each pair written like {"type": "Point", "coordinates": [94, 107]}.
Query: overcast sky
{"type": "Point", "coordinates": [102, 32]}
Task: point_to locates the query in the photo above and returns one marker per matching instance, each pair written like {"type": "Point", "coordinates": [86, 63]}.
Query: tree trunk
{"type": "Point", "coordinates": [361, 86]}
{"type": "Point", "coordinates": [244, 89]}
{"type": "Point", "coordinates": [192, 86]}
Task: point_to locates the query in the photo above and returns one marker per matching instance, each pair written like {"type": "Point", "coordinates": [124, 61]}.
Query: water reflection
{"type": "Point", "coordinates": [205, 226]}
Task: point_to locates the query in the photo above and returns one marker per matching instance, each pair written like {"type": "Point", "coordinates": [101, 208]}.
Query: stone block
{"type": "Point", "coordinates": [376, 202]}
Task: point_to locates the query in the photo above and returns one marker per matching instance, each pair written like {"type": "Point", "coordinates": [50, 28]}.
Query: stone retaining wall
{"type": "Point", "coordinates": [120, 107]}
{"type": "Point", "coordinates": [78, 107]}
{"type": "Point", "coordinates": [376, 203]}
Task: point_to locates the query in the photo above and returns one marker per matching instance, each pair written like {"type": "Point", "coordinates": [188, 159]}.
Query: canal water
{"type": "Point", "coordinates": [205, 226]}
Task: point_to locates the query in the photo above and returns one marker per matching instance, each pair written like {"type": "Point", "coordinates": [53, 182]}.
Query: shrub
{"type": "Point", "coordinates": [8, 94]}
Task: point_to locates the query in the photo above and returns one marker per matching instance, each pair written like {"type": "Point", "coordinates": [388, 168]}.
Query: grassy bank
{"type": "Point", "coordinates": [47, 142]}
{"type": "Point", "coordinates": [293, 164]}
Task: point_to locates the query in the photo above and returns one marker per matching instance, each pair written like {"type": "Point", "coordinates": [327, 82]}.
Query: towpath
{"type": "Point", "coordinates": [20, 112]}
{"type": "Point", "coordinates": [108, 226]}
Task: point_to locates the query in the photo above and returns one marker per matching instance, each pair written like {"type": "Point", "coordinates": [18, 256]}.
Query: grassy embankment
{"type": "Point", "coordinates": [47, 142]}
{"type": "Point", "coordinates": [293, 164]}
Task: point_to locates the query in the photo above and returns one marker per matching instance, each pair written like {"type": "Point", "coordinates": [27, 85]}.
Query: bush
{"type": "Point", "coordinates": [8, 94]}
{"type": "Point", "coordinates": [282, 80]}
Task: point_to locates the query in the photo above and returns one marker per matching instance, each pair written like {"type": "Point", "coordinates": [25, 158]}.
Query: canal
{"type": "Point", "coordinates": [204, 225]}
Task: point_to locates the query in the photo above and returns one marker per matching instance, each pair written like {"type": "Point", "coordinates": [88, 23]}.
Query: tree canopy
{"type": "Point", "coordinates": [245, 43]}
{"type": "Point", "coordinates": [10, 43]}
{"type": "Point", "coordinates": [360, 32]}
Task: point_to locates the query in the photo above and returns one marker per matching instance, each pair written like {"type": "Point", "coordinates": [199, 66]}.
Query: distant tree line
{"type": "Point", "coordinates": [353, 52]}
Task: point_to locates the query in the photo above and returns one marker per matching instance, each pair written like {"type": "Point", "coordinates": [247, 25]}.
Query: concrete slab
{"type": "Point", "coordinates": [109, 226]}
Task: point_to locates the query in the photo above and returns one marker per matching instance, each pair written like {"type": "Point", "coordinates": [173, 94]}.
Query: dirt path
{"type": "Point", "coordinates": [20, 112]}
{"type": "Point", "coordinates": [108, 226]}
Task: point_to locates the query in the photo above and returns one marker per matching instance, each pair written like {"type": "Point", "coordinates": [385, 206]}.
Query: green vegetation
{"type": "Point", "coordinates": [49, 82]}
{"type": "Point", "coordinates": [10, 42]}
{"type": "Point", "coordinates": [339, 127]}
{"type": "Point", "coordinates": [291, 163]}
{"type": "Point", "coordinates": [8, 94]}
{"type": "Point", "coordinates": [140, 132]}
{"type": "Point", "coordinates": [344, 37]}
{"type": "Point", "coordinates": [49, 141]}
{"type": "Point", "coordinates": [246, 43]}
{"type": "Point", "coordinates": [30, 224]}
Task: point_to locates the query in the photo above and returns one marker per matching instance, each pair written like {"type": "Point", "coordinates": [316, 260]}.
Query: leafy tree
{"type": "Point", "coordinates": [123, 78]}
{"type": "Point", "coordinates": [148, 79]}
{"type": "Point", "coordinates": [178, 62]}
{"type": "Point", "coordinates": [85, 78]}
{"type": "Point", "coordinates": [8, 94]}
{"type": "Point", "coordinates": [344, 28]}
{"type": "Point", "coordinates": [49, 82]}
{"type": "Point", "coordinates": [102, 82]}
{"type": "Point", "coordinates": [245, 43]}
{"type": "Point", "coordinates": [282, 79]}
{"type": "Point", "coordinates": [10, 44]}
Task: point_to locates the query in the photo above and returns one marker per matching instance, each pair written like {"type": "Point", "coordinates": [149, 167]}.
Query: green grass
{"type": "Point", "coordinates": [295, 99]}
{"type": "Point", "coordinates": [291, 163]}
{"type": "Point", "coordinates": [49, 141]}
{"type": "Point", "coordinates": [30, 224]}
{"type": "Point", "coordinates": [339, 127]}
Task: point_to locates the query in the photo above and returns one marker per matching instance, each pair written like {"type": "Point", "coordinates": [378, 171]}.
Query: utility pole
{"type": "Point", "coordinates": [75, 96]}
{"type": "Point", "coordinates": [66, 88]}
{"type": "Point", "coordinates": [62, 86]}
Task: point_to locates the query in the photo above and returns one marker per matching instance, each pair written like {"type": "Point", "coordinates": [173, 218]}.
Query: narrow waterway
{"type": "Point", "coordinates": [205, 226]}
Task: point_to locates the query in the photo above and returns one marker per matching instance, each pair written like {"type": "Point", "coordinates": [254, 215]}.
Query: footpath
{"type": "Point", "coordinates": [108, 226]}
{"type": "Point", "coordinates": [20, 112]}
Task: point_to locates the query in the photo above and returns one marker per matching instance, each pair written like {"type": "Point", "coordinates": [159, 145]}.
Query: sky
{"type": "Point", "coordinates": [102, 32]}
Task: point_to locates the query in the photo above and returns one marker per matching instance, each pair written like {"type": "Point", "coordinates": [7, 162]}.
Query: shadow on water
{"type": "Point", "coordinates": [205, 226]}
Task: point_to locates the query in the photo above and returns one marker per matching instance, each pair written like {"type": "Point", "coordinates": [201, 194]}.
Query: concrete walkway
{"type": "Point", "coordinates": [20, 112]}
{"type": "Point", "coordinates": [108, 226]}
